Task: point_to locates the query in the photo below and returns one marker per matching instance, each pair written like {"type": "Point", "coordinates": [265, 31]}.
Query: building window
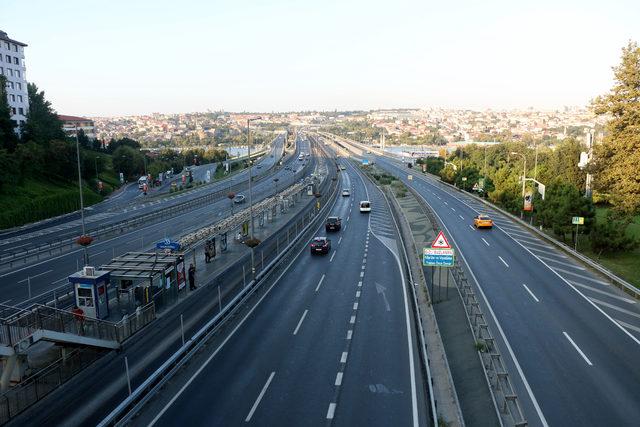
{"type": "Point", "coordinates": [13, 111]}
{"type": "Point", "coordinates": [19, 86]}
{"type": "Point", "coordinates": [13, 98]}
{"type": "Point", "coordinates": [16, 60]}
{"type": "Point", "coordinates": [10, 85]}
{"type": "Point", "coordinates": [17, 73]}
{"type": "Point", "coordinates": [1, 71]}
{"type": "Point", "coordinates": [7, 45]}
{"type": "Point", "coordinates": [15, 47]}
{"type": "Point", "coordinates": [10, 71]}
{"type": "Point", "coordinates": [21, 111]}
{"type": "Point", "coordinates": [19, 98]}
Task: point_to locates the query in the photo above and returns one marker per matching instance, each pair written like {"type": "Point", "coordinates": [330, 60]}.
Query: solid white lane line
{"type": "Point", "coordinates": [343, 358]}
{"type": "Point", "coordinates": [340, 240]}
{"type": "Point", "coordinates": [6, 302]}
{"type": "Point", "coordinates": [547, 247]}
{"type": "Point", "coordinates": [531, 293]}
{"type": "Point", "coordinates": [503, 261]}
{"type": "Point", "coordinates": [563, 263]}
{"type": "Point", "coordinates": [339, 379]}
{"type": "Point", "coordinates": [332, 255]}
{"type": "Point", "coordinates": [331, 411]}
{"type": "Point", "coordinates": [260, 396]}
{"type": "Point", "coordinates": [349, 334]}
{"type": "Point", "coordinates": [352, 320]}
{"type": "Point", "coordinates": [485, 242]}
{"type": "Point", "coordinates": [35, 275]}
{"type": "Point", "coordinates": [461, 217]}
{"type": "Point", "coordinates": [546, 252]}
{"type": "Point", "coordinates": [97, 253]}
{"type": "Point", "coordinates": [355, 305]}
{"type": "Point", "coordinates": [300, 322]}
{"type": "Point", "coordinates": [614, 307]}
{"type": "Point", "coordinates": [601, 292]}
{"type": "Point", "coordinates": [586, 359]}
{"type": "Point", "coordinates": [320, 283]}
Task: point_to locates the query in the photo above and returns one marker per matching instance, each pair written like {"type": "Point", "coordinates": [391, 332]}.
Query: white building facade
{"type": "Point", "coordinates": [13, 67]}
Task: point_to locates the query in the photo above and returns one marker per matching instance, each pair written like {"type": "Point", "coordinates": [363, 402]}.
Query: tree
{"type": "Point", "coordinates": [83, 139]}
{"type": "Point", "coordinates": [128, 142]}
{"type": "Point", "coordinates": [42, 125]}
{"type": "Point", "coordinates": [562, 202]}
{"type": "Point", "coordinates": [617, 158]}
{"type": "Point", "coordinates": [128, 161]}
{"type": "Point", "coordinates": [8, 137]}
{"type": "Point", "coordinates": [610, 236]}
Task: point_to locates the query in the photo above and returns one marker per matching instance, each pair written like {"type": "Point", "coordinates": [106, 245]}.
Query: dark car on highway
{"type": "Point", "coordinates": [333, 224]}
{"type": "Point", "coordinates": [320, 245]}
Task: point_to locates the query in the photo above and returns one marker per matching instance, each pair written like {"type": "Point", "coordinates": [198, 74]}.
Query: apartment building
{"type": "Point", "coordinates": [72, 123]}
{"type": "Point", "coordinates": [12, 66]}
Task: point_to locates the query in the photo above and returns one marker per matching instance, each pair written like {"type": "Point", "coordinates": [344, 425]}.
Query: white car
{"type": "Point", "coordinates": [346, 192]}
{"type": "Point", "coordinates": [365, 206]}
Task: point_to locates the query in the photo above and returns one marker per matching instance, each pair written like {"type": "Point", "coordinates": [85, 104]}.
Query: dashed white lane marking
{"type": "Point", "coordinates": [503, 261]}
{"type": "Point", "coordinates": [355, 305]}
{"type": "Point", "coordinates": [339, 379]}
{"type": "Point", "coordinates": [598, 291]}
{"type": "Point", "coordinates": [363, 267]}
{"type": "Point", "coordinates": [352, 320]}
{"type": "Point", "coordinates": [331, 411]}
{"type": "Point", "coordinates": [586, 359]}
{"type": "Point", "coordinates": [362, 274]}
{"type": "Point", "coordinates": [340, 240]}
{"type": "Point", "coordinates": [320, 283]}
{"type": "Point", "coordinates": [471, 227]}
{"type": "Point", "coordinates": [461, 217]}
{"type": "Point", "coordinates": [357, 294]}
{"type": "Point", "coordinates": [485, 242]}
{"type": "Point", "coordinates": [260, 396]}
{"type": "Point", "coordinates": [614, 307]}
{"type": "Point", "coordinates": [343, 358]}
{"type": "Point", "coordinates": [531, 293]}
{"type": "Point", "coordinates": [445, 202]}
{"type": "Point", "coordinates": [349, 334]}
{"type": "Point", "coordinates": [453, 209]}
{"type": "Point", "coordinates": [360, 284]}
{"type": "Point", "coordinates": [295, 332]}
{"type": "Point", "coordinates": [332, 255]}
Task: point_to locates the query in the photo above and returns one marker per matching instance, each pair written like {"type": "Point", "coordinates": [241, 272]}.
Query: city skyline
{"type": "Point", "coordinates": [285, 56]}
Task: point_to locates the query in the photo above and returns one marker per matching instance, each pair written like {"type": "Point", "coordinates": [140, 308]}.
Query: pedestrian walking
{"type": "Point", "coordinates": [192, 277]}
{"type": "Point", "coordinates": [207, 252]}
{"type": "Point", "coordinates": [78, 315]}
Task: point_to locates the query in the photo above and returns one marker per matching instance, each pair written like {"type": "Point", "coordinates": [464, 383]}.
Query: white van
{"type": "Point", "coordinates": [365, 206]}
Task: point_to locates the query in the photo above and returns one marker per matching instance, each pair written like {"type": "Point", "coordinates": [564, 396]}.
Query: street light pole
{"type": "Point", "coordinates": [84, 247]}
{"type": "Point", "coordinates": [524, 174]}
{"type": "Point", "coordinates": [250, 174]}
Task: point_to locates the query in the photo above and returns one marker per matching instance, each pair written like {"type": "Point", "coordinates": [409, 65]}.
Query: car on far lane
{"type": "Point", "coordinates": [333, 223]}
{"type": "Point", "coordinates": [346, 192]}
{"type": "Point", "coordinates": [482, 221]}
{"type": "Point", "coordinates": [240, 198]}
{"type": "Point", "coordinates": [365, 206]}
{"type": "Point", "coordinates": [320, 245]}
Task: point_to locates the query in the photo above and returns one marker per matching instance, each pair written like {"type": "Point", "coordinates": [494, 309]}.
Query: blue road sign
{"type": "Point", "coordinates": [168, 244]}
{"type": "Point", "coordinates": [365, 162]}
{"type": "Point", "coordinates": [438, 257]}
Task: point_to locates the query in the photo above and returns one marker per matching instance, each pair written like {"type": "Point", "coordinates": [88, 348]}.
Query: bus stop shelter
{"type": "Point", "coordinates": [142, 277]}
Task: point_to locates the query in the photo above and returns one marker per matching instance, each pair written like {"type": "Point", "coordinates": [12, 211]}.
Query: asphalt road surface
{"type": "Point", "coordinates": [331, 343]}
{"type": "Point", "coordinates": [571, 341]}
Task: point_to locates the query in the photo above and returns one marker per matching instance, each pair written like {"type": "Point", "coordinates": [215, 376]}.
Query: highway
{"type": "Point", "coordinates": [571, 341]}
{"type": "Point", "coordinates": [127, 203]}
{"type": "Point", "coordinates": [330, 343]}
{"type": "Point", "coordinates": [45, 275]}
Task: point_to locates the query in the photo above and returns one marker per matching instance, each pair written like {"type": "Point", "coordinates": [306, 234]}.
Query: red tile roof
{"type": "Point", "coordinates": [73, 118]}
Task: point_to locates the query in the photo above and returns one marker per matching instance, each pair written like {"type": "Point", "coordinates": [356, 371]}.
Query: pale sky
{"type": "Point", "coordinates": [140, 56]}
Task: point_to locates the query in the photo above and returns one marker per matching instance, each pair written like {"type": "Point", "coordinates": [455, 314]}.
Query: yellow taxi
{"type": "Point", "coordinates": [482, 221]}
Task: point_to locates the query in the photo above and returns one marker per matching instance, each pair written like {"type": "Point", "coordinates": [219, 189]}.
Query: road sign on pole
{"type": "Point", "coordinates": [577, 220]}
{"type": "Point", "coordinates": [441, 242]}
{"type": "Point", "coordinates": [438, 257]}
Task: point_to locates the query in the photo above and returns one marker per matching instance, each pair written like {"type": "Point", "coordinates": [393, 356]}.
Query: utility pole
{"type": "Point", "coordinates": [84, 247]}
{"type": "Point", "coordinates": [524, 176]}
{"type": "Point", "coordinates": [250, 175]}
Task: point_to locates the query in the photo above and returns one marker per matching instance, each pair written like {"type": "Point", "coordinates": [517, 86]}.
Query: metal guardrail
{"type": "Point", "coordinates": [504, 395]}
{"type": "Point", "coordinates": [311, 217]}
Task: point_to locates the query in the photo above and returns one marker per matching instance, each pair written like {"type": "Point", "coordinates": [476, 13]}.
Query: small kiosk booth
{"type": "Point", "coordinates": [91, 291]}
{"type": "Point", "coordinates": [142, 277]}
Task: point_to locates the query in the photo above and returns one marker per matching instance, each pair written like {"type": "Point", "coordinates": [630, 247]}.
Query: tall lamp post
{"type": "Point", "coordinates": [524, 173]}
{"type": "Point", "coordinates": [84, 247]}
{"type": "Point", "coordinates": [250, 175]}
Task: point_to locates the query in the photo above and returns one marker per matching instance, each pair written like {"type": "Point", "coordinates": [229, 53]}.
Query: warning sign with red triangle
{"type": "Point", "coordinates": [441, 242]}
